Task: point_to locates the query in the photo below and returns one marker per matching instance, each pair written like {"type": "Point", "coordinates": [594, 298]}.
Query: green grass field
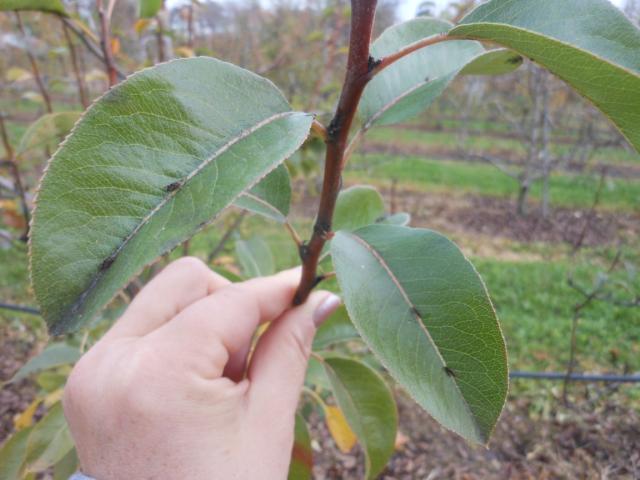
{"type": "Point", "coordinates": [448, 139]}
{"type": "Point", "coordinates": [464, 177]}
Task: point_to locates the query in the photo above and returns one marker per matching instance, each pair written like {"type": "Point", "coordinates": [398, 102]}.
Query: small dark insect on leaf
{"type": "Point", "coordinates": [449, 372]}
{"type": "Point", "coordinates": [427, 79]}
{"type": "Point", "coordinates": [107, 263]}
{"type": "Point", "coordinates": [172, 186]}
{"type": "Point", "coordinates": [514, 60]}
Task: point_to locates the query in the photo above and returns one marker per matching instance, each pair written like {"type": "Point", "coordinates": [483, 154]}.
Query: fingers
{"type": "Point", "coordinates": [221, 325]}
{"type": "Point", "coordinates": [180, 284]}
{"type": "Point", "coordinates": [279, 362]}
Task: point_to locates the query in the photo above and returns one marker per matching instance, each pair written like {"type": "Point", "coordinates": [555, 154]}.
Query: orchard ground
{"type": "Point", "coordinates": [526, 263]}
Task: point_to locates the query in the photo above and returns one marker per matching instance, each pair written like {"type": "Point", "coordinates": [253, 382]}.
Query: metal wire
{"type": "Point", "coordinates": [20, 308]}
{"type": "Point", "coordinates": [576, 377]}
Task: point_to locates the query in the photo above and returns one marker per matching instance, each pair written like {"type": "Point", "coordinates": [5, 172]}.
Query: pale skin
{"type": "Point", "coordinates": [170, 393]}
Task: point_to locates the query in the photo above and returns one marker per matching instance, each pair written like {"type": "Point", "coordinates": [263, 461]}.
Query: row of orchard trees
{"type": "Point", "coordinates": [63, 57]}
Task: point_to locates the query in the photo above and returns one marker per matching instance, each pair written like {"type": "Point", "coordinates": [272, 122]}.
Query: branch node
{"type": "Point", "coordinates": [373, 63]}
{"type": "Point", "coordinates": [303, 251]}
{"type": "Point", "coordinates": [323, 230]}
{"type": "Point", "coordinates": [333, 130]}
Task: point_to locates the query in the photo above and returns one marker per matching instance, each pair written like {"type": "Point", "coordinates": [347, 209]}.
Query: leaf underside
{"type": "Point", "coordinates": [424, 311]}
{"type": "Point", "coordinates": [271, 197]}
{"type": "Point", "coordinates": [410, 85]}
{"type": "Point", "coordinates": [589, 44]}
{"type": "Point", "coordinates": [149, 164]}
{"type": "Point", "coordinates": [369, 408]}
{"type": "Point", "coordinates": [49, 129]}
{"type": "Point", "coordinates": [49, 6]}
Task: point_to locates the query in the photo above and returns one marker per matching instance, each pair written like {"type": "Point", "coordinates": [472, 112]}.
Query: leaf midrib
{"type": "Point", "coordinates": [347, 393]}
{"type": "Point", "coordinates": [462, 26]}
{"type": "Point", "coordinates": [169, 196]}
{"type": "Point", "coordinates": [413, 309]}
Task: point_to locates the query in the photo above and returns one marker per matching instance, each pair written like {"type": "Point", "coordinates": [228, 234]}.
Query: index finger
{"type": "Point", "coordinates": [224, 322]}
{"type": "Point", "coordinates": [177, 286]}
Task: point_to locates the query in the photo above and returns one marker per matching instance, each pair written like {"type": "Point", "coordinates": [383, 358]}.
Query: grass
{"type": "Point", "coordinates": [465, 177]}
{"type": "Point", "coordinates": [487, 143]}
{"type": "Point", "coordinates": [534, 303]}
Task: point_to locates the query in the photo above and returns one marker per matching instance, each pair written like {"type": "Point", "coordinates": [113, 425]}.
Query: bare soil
{"type": "Point", "coordinates": [596, 438]}
{"type": "Point", "coordinates": [496, 218]}
{"type": "Point", "coordinates": [15, 397]}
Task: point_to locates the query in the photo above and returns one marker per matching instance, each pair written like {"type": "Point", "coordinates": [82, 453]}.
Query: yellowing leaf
{"type": "Point", "coordinates": [185, 52]}
{"type": "Point", "coordinates": [53, 397]}
{"type": "Point", "coordinates": [17, 74]}
{"type": "Point", "coordinates": [115, 45]}
{"type": "Point", "coordinates": [95, 74]}
{"type": "Point", "coordinates": [25, 419]}
{"type": "Point", "coordinates": [141, 25]}
{"type": "Point", "coordinates": [340, 429]}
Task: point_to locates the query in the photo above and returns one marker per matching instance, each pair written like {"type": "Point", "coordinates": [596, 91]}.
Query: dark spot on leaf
{"type": "Point", "coordinates": [172, 187]}
{"type": "Point", "coordinates": [515, 60]}
{"type": "Point", "coordinates": [427, 79]}
{"type": "Point", "coordinates": [107, 263]}
{"type": "Point", "coordinates": [449, 372]}
{"type": "Point", "coordinates": [416, 312]}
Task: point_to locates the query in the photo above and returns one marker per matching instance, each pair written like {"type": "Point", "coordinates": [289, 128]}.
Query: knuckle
{"type": "Point", "coordinates": [235, 295]}
{"type": "Point", "coordinates": [77, 389]}
{"type": "Point", "coordinates": [190, 266]}
{"type": "Point", "coordinates": [133, 389]}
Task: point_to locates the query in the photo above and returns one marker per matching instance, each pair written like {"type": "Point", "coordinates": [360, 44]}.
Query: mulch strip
{"type": "Point", "coordinates": [593, 439]}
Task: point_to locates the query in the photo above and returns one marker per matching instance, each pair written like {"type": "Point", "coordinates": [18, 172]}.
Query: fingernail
{"type": "Point", "coordinates": [326, 308]}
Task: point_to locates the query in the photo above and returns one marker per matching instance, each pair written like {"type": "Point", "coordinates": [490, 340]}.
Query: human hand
{"type": "Point", "coordinates": [166, 394]}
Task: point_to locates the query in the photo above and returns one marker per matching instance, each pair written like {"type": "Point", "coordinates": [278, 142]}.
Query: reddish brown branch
{"type": "Point", "coordinates": [105, 42]}
{"type": "Point", "coordinates": [160, 34]}
{"type": "Point", "coordinates": [359, 70]}
{"type": "Point", "coordinates": [15, 172]}
{"type": "Point", "coordinates": [95, 50]}
{"type": "Point", "coordinates": [34, 66]}
{"type": "Point", "coordinates": [82, 93]}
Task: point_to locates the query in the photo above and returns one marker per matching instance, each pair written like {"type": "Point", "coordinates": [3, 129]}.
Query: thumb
{"type": "Point", "coordinates": [279, 363]}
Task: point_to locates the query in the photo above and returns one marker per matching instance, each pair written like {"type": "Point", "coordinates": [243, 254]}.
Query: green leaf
{"type": "Point", "coordinates": [369, 408]}
{"type": "Point", "coordinates": [149, 8]}
{"type": "Point", "coordinates": [589, 44]}
{"type": "Point", "coordinates": [301, 456]}
{"type": "Point", "coordinates": [493, 62]}
{"type": "Point", "coordinates": [356, 207]}
{"type": "Point", "coordinates": [49, 442]}
{"type": "Point", "coordinates": [149, 164]}
{"type": "Point", "coordinates": [13, 454]}
{"type": "Point", "coordinates": [49, 6]}
{"type": "Point", "coordinates": [401, 219]}
{"type": "Point", "coordinates": [271, 197]}
{"type": "Point", "coordinates": [425, 313]}
{"type": "Point", "coordinates": [337, 328]}
{"type": "Point", "coordinates": [54, 355]}
{"type": "Point", "coordinates": [49, 129]}
{"type": "Point", "coordinates": [255, 257]}
{"type": "Point", "coordinates": [316, 377]}
{"type": "Point", "coordinates": [66, 467]}
{"type": "Point", "coordinates": [409, 86]}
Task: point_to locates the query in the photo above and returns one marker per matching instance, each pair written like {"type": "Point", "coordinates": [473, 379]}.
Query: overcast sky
{"type": "Point", "coordinates": [407, 7]}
